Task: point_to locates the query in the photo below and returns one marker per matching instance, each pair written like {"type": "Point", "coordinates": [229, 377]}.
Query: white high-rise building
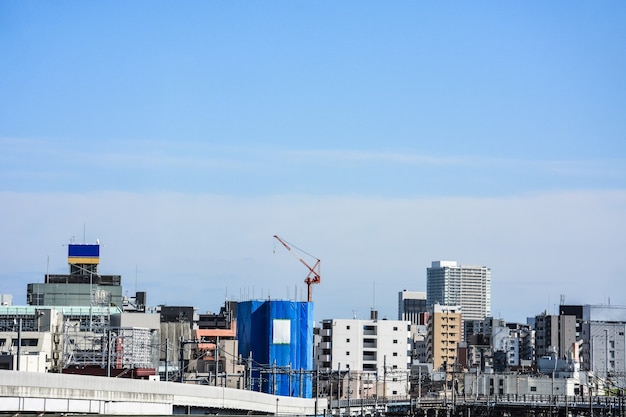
{"type": "Point", "coordinates": [467, 286]}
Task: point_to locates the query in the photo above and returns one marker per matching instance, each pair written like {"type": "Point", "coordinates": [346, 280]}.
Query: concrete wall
{"type": "Point", "coordinates": [35, 392]}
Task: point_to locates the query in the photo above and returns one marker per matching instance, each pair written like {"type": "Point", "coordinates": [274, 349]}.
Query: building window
{"type": "Point", "coordinates": [26, 342]}
{"type": "Point", "coordinates": [395, 328]}
{"type": "Point", "coordinates": [395, 353]}
{"type": "Point", "coordinates": [347, 340]}
{"type": "Point", "coordinates": [395, 341]}
{"type": "Point", "coordinates": [348, 353]}
{"type": "Point", "coordinates": [533, 389]}
{"type": "Point", "coordinates": [347, 327]}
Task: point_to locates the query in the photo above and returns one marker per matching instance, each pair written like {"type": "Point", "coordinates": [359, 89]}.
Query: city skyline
{"type": "Point", "coordinates": [376, 137]}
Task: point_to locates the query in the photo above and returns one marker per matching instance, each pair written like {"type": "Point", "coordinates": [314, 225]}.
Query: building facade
{"type": "Point", "coordinates": [363, 358]}
{"type": "Point", "coordinates": [444, 336]}
{"type": "Point", "coordinates": [82, 286]}
{"type": "Point", "coordinates": [276, 338]}
{"type": "Point", "coordinates": [412, 307]}
{"type": "Point", "coordinates": [469, 287]}
{"type": "Point", "coordinates": [603, 336]}
{"type": "Point", "coordinates": [554, 335]}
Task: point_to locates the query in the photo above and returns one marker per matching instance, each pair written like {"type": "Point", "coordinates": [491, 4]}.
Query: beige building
{"type": "Point", "coordinates": [444, 334]}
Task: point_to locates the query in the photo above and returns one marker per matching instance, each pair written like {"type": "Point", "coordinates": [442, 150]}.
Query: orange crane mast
{"type": "Point", "coordinates": [314, 271]}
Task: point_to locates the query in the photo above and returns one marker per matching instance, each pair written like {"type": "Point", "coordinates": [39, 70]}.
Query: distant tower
{"type": "Point", "coordinates": [466, 286]}
{"type": "Point", "coordinates": [83, 259]}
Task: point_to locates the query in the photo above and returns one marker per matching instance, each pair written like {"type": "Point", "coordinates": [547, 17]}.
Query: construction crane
{"type": "Point", "coordinates": [314, 271]}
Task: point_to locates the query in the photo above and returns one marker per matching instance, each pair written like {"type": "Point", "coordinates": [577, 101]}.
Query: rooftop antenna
{"type": "Point", "coordinates": [374, 296]}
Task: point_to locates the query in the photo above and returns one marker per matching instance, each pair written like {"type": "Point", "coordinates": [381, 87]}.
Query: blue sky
{"type": "Point", "coordinates": [377, 136]}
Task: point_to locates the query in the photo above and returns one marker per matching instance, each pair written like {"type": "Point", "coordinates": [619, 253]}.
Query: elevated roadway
{"type": "Point", "coordinates": [48, 393]}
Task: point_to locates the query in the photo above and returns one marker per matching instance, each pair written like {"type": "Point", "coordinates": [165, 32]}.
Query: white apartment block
{"type": "Point", "coordinates": [505, 340]}
{"type": "Point", "coordinates": [363, 358]}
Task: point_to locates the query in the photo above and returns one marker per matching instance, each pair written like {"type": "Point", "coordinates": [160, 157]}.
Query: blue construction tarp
{"type": "Point", "coordinates": [279, 336]}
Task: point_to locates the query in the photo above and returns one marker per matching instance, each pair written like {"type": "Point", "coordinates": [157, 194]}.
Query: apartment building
{"type": "Point", "coordinates": [554, 335]}
{"type": "Point", "coordinates": [363, 358]}
{"type": "Point", "coordinates": [444, 336]}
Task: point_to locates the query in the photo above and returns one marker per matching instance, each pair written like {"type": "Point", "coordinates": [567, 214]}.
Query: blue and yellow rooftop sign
{"type": "Point", "coordinates": [83, 254]}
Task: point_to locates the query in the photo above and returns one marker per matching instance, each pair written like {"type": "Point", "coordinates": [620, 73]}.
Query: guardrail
{"type": "Point", "coordinates": [589, 406]}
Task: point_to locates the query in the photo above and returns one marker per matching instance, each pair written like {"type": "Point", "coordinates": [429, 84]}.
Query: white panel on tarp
{"type": "Point", "coordinates": [281, 331]}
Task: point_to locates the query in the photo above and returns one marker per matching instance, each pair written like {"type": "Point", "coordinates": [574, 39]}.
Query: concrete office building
{"type": "Point", "coordinates": [83, 286]}
{"type": "Point", "coordinates": [469, 287]}
{"type": "Point", "coordinates": [603, 336]}
{"type": "Point", "coordinates": [363, 358]}
{"type": "Point", "coordinates": [77, 321]}
{"type": "Point", "coordinates": [412, 307]}
{"type": "Point", "coordinates": [554, 335]}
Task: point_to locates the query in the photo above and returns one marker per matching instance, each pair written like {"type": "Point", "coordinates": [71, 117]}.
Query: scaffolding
{"type": "Point", "coordinates": [85, 337]}
{"type": "Point", "coordinates": [133, 348]}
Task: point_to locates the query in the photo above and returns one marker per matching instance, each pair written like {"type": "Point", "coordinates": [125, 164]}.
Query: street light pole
{"type": "Point", "coordinates": [19, 342]}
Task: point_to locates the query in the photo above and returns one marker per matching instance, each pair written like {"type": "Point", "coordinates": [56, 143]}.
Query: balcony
{"type": "Point", "coordinates": [369, 344]}
{"type": "Point", "coordinates": [370, 331]}
{"type": "Point", "coordinates": [325, 358]}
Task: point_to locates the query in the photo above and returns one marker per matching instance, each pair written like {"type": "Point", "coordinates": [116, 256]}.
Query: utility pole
{"type": "Point", "coordinates": [349, 389]}
{"type": "Point", "coordinates": [181, 359]}
{"type": "Point", "coordinates": [317, 387]}
{"type": "Point", "coordinates": [217, 354]}
{"type": "Point", "coordinates": [419, 384]}
{"type": "Point", "coordinates": [249, 365]}
{"type": "Point", "coordinates": [19, 342]}
{"type": "Point", "coordinates": [385, 377]}
{"type": "Point", "coordinates": [167, 354]}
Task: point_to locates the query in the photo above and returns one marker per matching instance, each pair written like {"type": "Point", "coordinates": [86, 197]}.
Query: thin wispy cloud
{"type": "Point", "coordinates": [39, 158]}
{"type": "Point", "coordinates": [194, 248]}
